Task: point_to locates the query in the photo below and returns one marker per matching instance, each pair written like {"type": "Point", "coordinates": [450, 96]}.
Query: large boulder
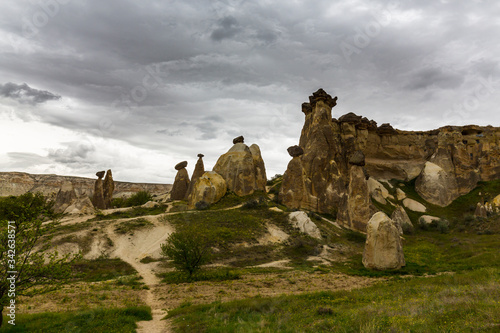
{"type": "Point", "coordinates": [65, 197]}
{"type": "Point", "coordinates": [300, 220]}
{"type": "Point", "coordinates": [181, 182]}
{"type": "Point", "coordinates": [414, 205]}
{"type": "Point", "coordinates": [436, 186]}
{"type": "Point", "coordinates": [359, 205]}
{"type": "Point", "coordinates": [108, 189]}
{"type": "Point", "coordinates": [210, 187]}
{"type": "Point", "coordinates": [402, 221]}
{"type": "Point", "coordinates": [383, 248]}
{"type": "Point", "coordinates": [199, 170]}
{"type": "Point", "coordinates": [98, 197]}
{"type": "Point", "coordinates": [243, 169]}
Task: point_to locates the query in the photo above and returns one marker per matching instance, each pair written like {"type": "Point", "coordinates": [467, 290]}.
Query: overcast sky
{"type": "Point", "coordinates": [138, 86]}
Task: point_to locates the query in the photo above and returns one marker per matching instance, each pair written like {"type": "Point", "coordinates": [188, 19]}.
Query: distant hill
{"type": "Point", "coordinates": [17, 183]}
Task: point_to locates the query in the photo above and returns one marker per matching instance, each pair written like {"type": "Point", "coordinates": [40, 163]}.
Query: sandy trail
{"type": "Point", "coordinates": [132, 249]}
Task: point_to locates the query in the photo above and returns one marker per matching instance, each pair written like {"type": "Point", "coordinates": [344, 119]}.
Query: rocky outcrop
{"type": "Point", "coordinates": [210, 187]}
{"type": "Point", "coordinates": [181, 182]}
{"type": "Point", "coordinates": [199, 170]}
{"type": "Point", "coordinates": [383, 248]}
{"type": "Point", "coordinates": [98, 196]}
{"type": "Point", "coordinates": [301, 221]}
{"type": "Point", "coordinates": [17, 183]}
{"type": "Point", "coordinates": [436, 186]}
{"type": "Point", "coordinates": [109, 188]}
{"type": "Point", "coordinates": [242, 168]}
{"type": "Point", "coordinates": [402, 221]}
{"type": "Point", "coordinates": [82, 205]}
{"type": "Point", "coordinates": [359, 207]}
{"type": "Point", "coordinates": [65, 197]}
{"type": "Point", "coordinates": [378, 191]}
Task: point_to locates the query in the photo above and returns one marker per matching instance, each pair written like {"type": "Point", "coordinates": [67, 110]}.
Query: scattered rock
{"type": "Point", "coordinates": [65, 197]}
{"type": "Point", "coordinates": [82, 205]}
{"type": "Point", "coordinates": [378, 191]}
{"type": "Point", "coordinates": [210, 187]}
{"type": "Point", "coordinates": [426, 220]}
{"type": "Point", "coordinates": [109, 187]}
{"type": "Point", "coordinates": [383, 248]}
{"type": "Point", "coordinates": [98, 197]}
{"type": "Point", "coordinates": [150, 204]}
{"type": "Point", "coordinates": [295, 151]}
{"type": "Point", "coordinates": [402, 221]}
{"type": "Point", "coordinates": [436, 186]}
{"type": "Point", "coordinates": [239, 139]}
{"type": "Point", "coordinates": [299, 219]}
{"type": "Point", "coordinates": [481, 210]}
{"type": "Point", "coordinates": [400, 194]}
{"type": "Point", "coordinates": [414, 205]}
{"type": "Point", "coordinates": [181, 182]}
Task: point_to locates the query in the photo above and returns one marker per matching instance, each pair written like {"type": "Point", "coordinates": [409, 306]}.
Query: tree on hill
{"type": "Point", "coordinates": [24, 267]}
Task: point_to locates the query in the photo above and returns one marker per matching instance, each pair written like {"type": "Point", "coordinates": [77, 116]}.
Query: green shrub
{"type": "Point", "coordinates": [202, 205]}
{"type": "Point", "coordinates": [443, 226]}
{"type": "Point", "coordinates": [140, 198]}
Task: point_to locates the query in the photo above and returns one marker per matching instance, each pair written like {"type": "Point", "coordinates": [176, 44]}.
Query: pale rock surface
{"type": "Point", "coordinates": [210, 187]}
{"type": "Point", "coordinates": [436, 186]}
{"type": "Point", "coordinates": [496, 201]}
{"type": "Point", "coordinates": [481, 210]}
{"type": "Point", "coordinates": [199, 170]}
{"type": "Point", "coordinates": [414, 205]}
{"type": "Point", "coordinates": [359, 206]}
{"type": "Point", "coordinates": [108, 189]}
{"type": "Point", "coordinates": [150, 204]}
{"type": "Point", "coordinates": [378, 191]}
{"type": "Point", "coordinates": [401, 219]}
{"type": "Point", "coordinates": [300, 220]}
{"type": "Point", "coordinates": [383, 248]}
{"type": "Point", "coordinates": [427, 219]}
{"type": "Point", "coordinates": [65, 197]}
{"type": "Point", "coordinates": [400, 194]}
{"type": "Point", "coordinates": [82, 205]}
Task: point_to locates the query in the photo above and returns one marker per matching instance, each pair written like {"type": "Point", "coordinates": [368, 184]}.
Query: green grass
{"type": "Point", "coordinates": [91, 321]}
{"type": "Point", "coordinates": [101, 269]}
{"type": "Point", "coordinates": [130, 213]}
{"type": "Point", "coordinates": [231, 200]}
{"type": "Point", "coordinates": [465, 302]}
{"type": "Point", "coordinates": [214, 274]}
{"type": "Point", "coordinates": [132, 225]}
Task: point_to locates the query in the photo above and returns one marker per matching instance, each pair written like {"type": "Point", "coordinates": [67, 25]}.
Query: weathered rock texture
{"type": "Point", "coordinates": [301, 221]}
{"type": "Point", "coordinates": [402, 221]}
{"type": "Point", "coordinates": [98, 197]}
{"type": "Point", "coordinates": [243, 169]}
{"type": "Point", "coordinates": [319, 179]}
{"type": "Point", "coordinates": [383, 248]}
{"type": "Point", "coordinates": [181, 182]}
{"type": "Point", "coordinates": [199, 170]}
{"type": "Point", "coordinates": [210, 187]}
{"type": "Point", "coordinates": [17, 183]}
{"type": "Point", "coordinates": [65, 197]}
{"type": "Point", "coordinates": [109, 188]}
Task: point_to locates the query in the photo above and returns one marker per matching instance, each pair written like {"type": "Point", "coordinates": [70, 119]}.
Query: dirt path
{"type": "Point", "coordinates": [132, 249]}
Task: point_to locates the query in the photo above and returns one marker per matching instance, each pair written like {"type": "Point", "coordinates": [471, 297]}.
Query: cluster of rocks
{"type": "Point", "coordinates": [240, 170]}
{"type": "Point", "coordinates": [103, 190]}
{"type": "Point", "coordinates": [67, 201]}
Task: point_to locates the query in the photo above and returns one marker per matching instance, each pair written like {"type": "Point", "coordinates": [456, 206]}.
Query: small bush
{"type": "Point", "coordinates": [140, 198]}
{"type": "Point", "coordinates": [255, 203]}
{"type": "Point", "coordinates": [202, 205]}
{"type": "Point", "coordinates": [443, 226]}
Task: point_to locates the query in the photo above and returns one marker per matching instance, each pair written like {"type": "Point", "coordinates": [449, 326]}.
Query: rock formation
{"type": "Point", "coordinates": [383, 248]}
{"type": "Point", "coordinates": [402, 221]}
{"type": "Point", "coordinates": [109, 187]}
{"type": "Point", "coordinates": [436, 186]}
{"type": "Point", "coordinates": [65, 197]}
{"type": "Point", "coordinates": [199, 170]}
{"type": "Point", "coordinates": [98, 197]}
{"type": "Point", "coordinates": [295, 151]}
{"type": "Point", "coordinates": [242, 168]}
{"type": "Point", "coordinates": [210, 187]}
{"type": "Point", "coordinates": [181, 182]}
{"type": "Point", "coordinates": [300, 220]}
{"type": "Point", "coordinates": [480, 211]}
{"type": "Point", "coordinates": [82, 205]}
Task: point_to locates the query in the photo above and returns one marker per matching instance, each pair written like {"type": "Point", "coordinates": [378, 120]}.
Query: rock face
{"type": "Point", "coordinates": [436, 186]}
{"type": "Point", "coordinates": [199, 170]}
{"type": "Point", "coordinates": [383, 249]}
{"type": "Point", "coordinates": [210, 187]}
{"type": "Point", "coordinates": [82, 205]}
{"type": "Point", "coordinates": [301, 221]}
{"type": "Point", "coordinates": [181, 182]}
{"type": "Point", "coordinates": [65, 197]}
{"type": "Point", "coordinates": [109, 188]}
{"type": "Point", "coordinates": [402, 221]}
{"type": "Point", "coordinates": [98, 197]}
{"type": "Point", "coordinates": [243, 169]}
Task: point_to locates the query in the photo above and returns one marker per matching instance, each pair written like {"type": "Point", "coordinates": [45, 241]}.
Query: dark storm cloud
{"type": "Point", "coordinates": [227, 28]}
{"type": "Point", "coordinates": [74, 152]}
{"type": "Point", "coordinates": [25, 94]}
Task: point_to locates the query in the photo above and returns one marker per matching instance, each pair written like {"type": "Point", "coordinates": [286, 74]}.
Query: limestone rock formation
{"type": "Point", "coordinates": [359, 208]}
{"type": "Point", "coordinates": [109, 188]}
{"type": "Point", "coordinates": [400, 194]}
{"type": "Point", "coordinates": [82, 205]}
{"type": "Point", "coordinates": [426, 220]}
{"type": "Point", "coordinates": [436, 186]}
{"type": "Point", "coordinates": [181, 182]}
{"type": "Point", "coordinates": [199, 170]}
{"type": "Point", "coordinates": [98, 197]}
{"type": "Point", "coordinates": [300, 220]}
{"type": "Point", "coordinates": [414, 205]}
{"type": "Point", "coordinates": [378, 191]}
{"type": "Point", "coordinates": [480, 211]}
{"type": "Point", "coordinates": [383, 248]}
{"type": "Point", "coordinates": [243, 169]}
{"type": "Point", "coordinates": [65, 197]}
{"type": "Point", "coordinates": [210, 187]}
{"type": "Point", "coordinates": [401, 219]}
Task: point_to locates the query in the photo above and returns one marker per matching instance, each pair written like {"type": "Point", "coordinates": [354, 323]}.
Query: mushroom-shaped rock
{"type": "Point", "coordinates": [100, 174]}
{"type": "Point", "coordinates": [300, 220]}
{"type": "Point", "coordinates": [199, 170]}
{"type": "Point", "coordinates": [210, 187]}
{"type": "Point", "coordinates": [98, 197]}
{"type": "Point", "coordinates": [383, 248]}
{"type": "Point", "coordinates": [243, 169]}
{"type": "Point", "coordinates": [295, 151]}
{"type": "Point", "coordinates": [239, 139]}
{"type": "Point", "coordinates": [181, 165]}
{"type": "Point", "coordinates": [65, 197]}
{"type": "Point", "coordinates": [181, 182]}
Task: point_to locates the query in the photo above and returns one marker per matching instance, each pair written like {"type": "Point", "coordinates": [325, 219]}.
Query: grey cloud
{"type": "Point", "coordinates": [435, 77]}
{"type": "Point", "coordinates": [22, 159]}
{"type": "Point", "coordinates": [25, 94]}
{"type": "Point", "coordinates": [228, 27]}
{"type": "Point", "coordinates": [74, 153]}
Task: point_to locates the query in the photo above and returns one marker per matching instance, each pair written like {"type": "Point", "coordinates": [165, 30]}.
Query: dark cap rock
{"type": "Point", "coordinates": [321, 95]}
{"type": "Point", "coordinates": [386, 129]}
{"type": "Point", "coordinates": [295, 151]}
{"type": "Point", "coordinates": [200, 155]}
{"type": "Point", "coordinates": [181, 165]}
{"type": "Point", "coordinates": [239, 139]}
{"type": "Point", "coordinates": [100, 174]}
{"type": "Point", "coordinates": [358, 158]}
